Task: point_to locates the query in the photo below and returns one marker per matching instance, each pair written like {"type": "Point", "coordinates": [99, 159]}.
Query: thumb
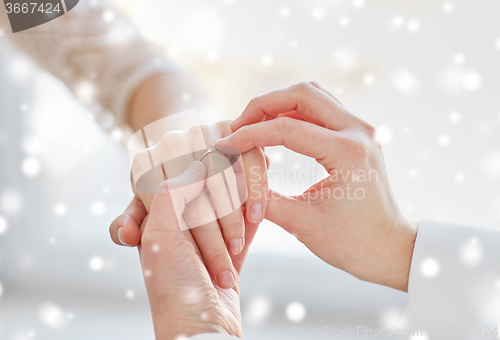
{"type": "Point", "coordinates": [287, 212]}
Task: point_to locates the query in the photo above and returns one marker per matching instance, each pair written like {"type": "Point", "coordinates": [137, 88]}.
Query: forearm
{"type": "Point", "coordinates": [162, 95]}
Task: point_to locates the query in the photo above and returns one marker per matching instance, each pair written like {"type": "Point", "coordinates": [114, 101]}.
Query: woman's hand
{"type": "Point", "coordinates": [213, 240]}
{"type": "Point", "coordinates": [350, 219]}
{"type": "Point", "coordinates": [183, 299]}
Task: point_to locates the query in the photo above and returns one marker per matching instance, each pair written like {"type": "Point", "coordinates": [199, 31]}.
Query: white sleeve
{"type": "Point", "coordinates": [454, 283]}
{"type": "Point", "coordinates": [96, 50]}
{"type": "Point", "coordinates": [213, 336]}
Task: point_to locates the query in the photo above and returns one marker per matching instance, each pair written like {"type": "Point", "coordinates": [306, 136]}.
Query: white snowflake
{"type": "Point", "coordinates": [369, 79]}
{"type": "Point", "coordinates": [344, 21]}
{"type": "Point", "coordinates": [97, 208]}
{"type": "Point", "coordinates": [285, 11]}
{"type": "Point", "coordinates": [398, 21]}
{"type": "Point", "coordinates": [20, 68]}
{"type": "Point", "coordinates": [60, 209]}
{"type": "Point", "coordinates": [471, 81]}
{"type": "Point", "coordinates": [96, 263]}
{"type": "Point", "coordinates": [258, 310]}
{"type": "Point", "coordinates": [405, 82]}
{"type": "Point", "coordinates": [85, 90]}
{"type": "Point", "coordinates": [266, 60]}
{"type": "Point", "coordinates": [52, 316]}
{"type": "Point", "coordinates": [31, 166]}
{"type": "Point", "coordinates": [11, 202]}
{"type": "Point", "coordinates": [130, 294]}
{"type": "Point", "coordinates": [4, 225]}
{"type": "Point", "coordinates": [384, 134]}
{"type": "Point", "coordinates": [413, 25]}
{"type": "Point", "coordinates": [391, 318]}
{"type": "Point", "coordinates": [491, 165]}
{"type": "Point", "coordinates": [358, 3]}
{"type": "Point", "coordinates": [213, 56]}
{"type": "Point", "coordinates": [108, 16]}
{"type": "Point", "coordinates": [459, 59]}
{"type": "Point", "coordinates": [459, 177]}
{"type": "Point", "coordinates": [430, 267]}
{"type": "Point", "coordinates": [472, 252]}
{"type": "Point", "coordinates": [448, 7]}
{"type": "Point", "coordinates": [318, 13]}
{"type": "Point", "coordinates": [444, 140]}
{"type": "Point", "coordinates": [295, 311]}
{"type": "Point", "coordinates": [455, 117]}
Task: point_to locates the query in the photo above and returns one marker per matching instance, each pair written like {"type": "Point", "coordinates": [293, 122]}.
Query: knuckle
{"type": "Point", "coordinates": [286, 124]}
{"type": "Point", "coordinates": [355, 147]}
{"type": "Point", "coordinates": [233, 226]}
{"type": "Point", "coordinates": [218, 256]}
{"type": "Point", "coordinates": [303, 87]}
{"type": "Point", "coordinates": [254, 101]}
{"type": "Point", "coordinates": [315, 84]}
{"type": "Point", "coordinates": [369, 130]}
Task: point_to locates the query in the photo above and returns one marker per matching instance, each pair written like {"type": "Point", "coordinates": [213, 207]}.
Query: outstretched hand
{"type": "Point", "coordinates": [350, 219]}
{"type": "Point", "coordinates": [183, 299]}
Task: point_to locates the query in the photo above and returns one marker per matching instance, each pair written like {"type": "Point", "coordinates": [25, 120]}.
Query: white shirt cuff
{"type": "Point", "coordinates": [454, 279]}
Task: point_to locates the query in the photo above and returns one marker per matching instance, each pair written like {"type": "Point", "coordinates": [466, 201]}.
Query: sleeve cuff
{"type": "Point", "coordinates": [157, 66]}
{"type": "Point", "coordinates": [453, 279]}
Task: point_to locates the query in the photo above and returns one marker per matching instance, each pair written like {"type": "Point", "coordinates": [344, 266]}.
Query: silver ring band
{"type": "Point", "coordinates": [209, 151]}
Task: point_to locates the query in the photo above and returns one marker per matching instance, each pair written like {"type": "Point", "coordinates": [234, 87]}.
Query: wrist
{"type": "Point", "coordinates": [399, 271]}
{"type": "Point", "coordinates": [162, 95]}
{"type": "Point", "coordinates": [177, 326]}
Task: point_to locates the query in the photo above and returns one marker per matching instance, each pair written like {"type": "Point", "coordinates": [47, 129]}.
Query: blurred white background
{"type": "Point", "coordinates": [425, 73]}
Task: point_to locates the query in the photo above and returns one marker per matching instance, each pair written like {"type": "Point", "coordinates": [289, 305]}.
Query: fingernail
{"type": "Point", "coordinates": [222, 141]}
{"type": "Point", "coordinates": [120, 237]}
{"type": "Point", "coordinates": [256, 212]}
{"type": "Point", "coordinates": [226, 279]}
{"type": "Point", "coordinates": [195, 167]}
{"type": "Point", "coordinates": [233, 124]}
{"type": "Point", "coordinates": [235, 246]}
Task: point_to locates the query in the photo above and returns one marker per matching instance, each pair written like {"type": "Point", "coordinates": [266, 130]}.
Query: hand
{"type": "Point", "coordinates": [214, 245]}
{"type": "Point", "coordinates": [350, 219]}
{"type": "Point", "coordinates": [183, 300]}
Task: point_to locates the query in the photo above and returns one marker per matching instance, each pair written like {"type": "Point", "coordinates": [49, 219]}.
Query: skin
{"type": "Point", "coordinates": [159, 97]}
{"type": "Point", "coordinates": [366, 237]}
{"type": "Point", "coordinates": [182, 297]}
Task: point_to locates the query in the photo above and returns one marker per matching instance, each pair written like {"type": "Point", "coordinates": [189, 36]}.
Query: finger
{"type": "Point", "coordinates": [255, 169]}
{"type": "Point", "coordinates": [125, 229]}
{"type": "Point", "coordinates": [223, 189]}
{"type": "Point", "coordinates": [239, 260]}
{"type": "Point", "coordinates": [201, 221]}
{"type": "Point", "coordinates": [222, 185]}
{"type": "Point", "coordinates": [318, 86]}
{"type": "Point", "coordinates": [292, 114]}
{"type": "Point", "coordinates": [190, 238]}
{"type": "Point", "coordinates": [213, 249]}
{"type": "Point", "coordinates": [305, 138]}
{"type": "Point", "coordinates": [308, 101]}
